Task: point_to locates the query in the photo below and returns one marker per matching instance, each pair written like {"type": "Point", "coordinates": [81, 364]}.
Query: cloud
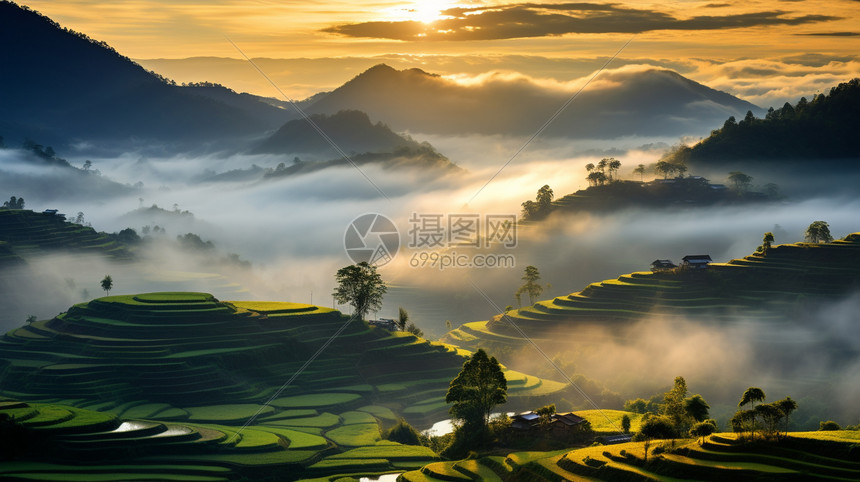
{"type": "Point", "coordinates": [524, 20]}
{"type": "Point", "coordinates": [832, 34]}
{"type": "Point", "coordinates": [772, 82]}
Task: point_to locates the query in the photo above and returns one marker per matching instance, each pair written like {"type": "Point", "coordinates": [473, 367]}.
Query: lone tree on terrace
{"type": "Point", "coordinates": [818, 232]}
{"type": "Point", "coordinates": [107, 284]}
{"type": "Point", "coordinates": [360, 286]}
{"type": "Point", "coordinates": [478, 388]}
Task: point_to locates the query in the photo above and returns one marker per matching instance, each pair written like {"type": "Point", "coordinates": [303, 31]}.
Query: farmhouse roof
{"type": "Point", "coordinates": [527, 416]}
{"type": "Point", "coordinates": [568, 418]}
{"type": "Point", "coordinates": [698, 258]}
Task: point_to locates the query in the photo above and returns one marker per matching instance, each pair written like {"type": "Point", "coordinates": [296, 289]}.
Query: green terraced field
{"type": "Point", "coordinates": [757, 285]}
{"type": "Point", "coordinates": [721, 457]}
{"type": "Point", "coordinates": [24, 232]}
{"type": "Point", "coordinates": [169, 381]}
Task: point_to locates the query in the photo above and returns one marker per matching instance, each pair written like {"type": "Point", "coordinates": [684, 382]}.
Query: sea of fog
{"type": "Point", "coordinates": [292, 230]}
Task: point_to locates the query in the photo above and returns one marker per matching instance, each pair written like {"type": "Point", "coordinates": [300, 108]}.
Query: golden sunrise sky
{"type": "Point", "coordinates": [763, 51]}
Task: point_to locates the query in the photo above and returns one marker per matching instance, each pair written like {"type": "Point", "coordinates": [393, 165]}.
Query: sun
{"type": "Point", "coordinates": [427, 11]}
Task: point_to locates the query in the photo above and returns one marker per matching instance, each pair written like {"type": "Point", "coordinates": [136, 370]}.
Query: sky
{"type": "Point", "coordinates": [766, 52]}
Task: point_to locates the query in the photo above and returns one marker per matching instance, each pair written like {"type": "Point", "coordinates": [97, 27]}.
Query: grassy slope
{"type": "Point", "coordinates": [721, 457]}
{"type": "Point", "coordinates": [758, 285]}
{"type": "Point", "coordinates": [27, 232]}
{"type": "Point", "coordinates": [202, 369]}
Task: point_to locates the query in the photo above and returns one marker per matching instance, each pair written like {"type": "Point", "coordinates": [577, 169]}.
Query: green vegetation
{"type": "Point", "coordinates": [818, 232]}
{"type": "Point", "coordinates": [541, 206]}
{"type": "Point", "coordinates": [720, 457]}
{"type": "Point", "coordinates": [531, 287]}
{"type": "Point", "coordinates": [168, 379]}
{"type": "Point", "coordinates": [822, 128]}
{"type": "Point", "coordinates": [27, 233]}
{"type": "Point", "coordinates": [360, 286]}
{"type": "Point", "coordinates": [474, 393]}
{"type": "Point", "coordinates": [767, 286]}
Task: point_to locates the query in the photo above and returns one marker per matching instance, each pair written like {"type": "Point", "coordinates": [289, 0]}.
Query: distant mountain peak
{"type": "Point", "coordinates": [636, 101]}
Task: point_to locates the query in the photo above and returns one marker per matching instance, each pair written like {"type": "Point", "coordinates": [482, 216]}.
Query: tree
{"type": "Point", "coordinates": [531, 287]}
{"type": "Point", "coordinates": [360, 286]}
{"type": "Point", "coordinates": [544, 197]}
{"type": "Point", "coordinates": [640, 169]}
{"type": "Point", "coordinates": [403, 433]}
{"type": "Point", "coordinates": [818, 232]}
{"type": "Point", "coordinates": [541, 206]}
{"type": "Point", "coordinates": [596, 178]}
{"type": "Point", "coordinates": [614, 165]}
{"type": "Point", "coordinates": [14, 203]}
{"type": "Point", "coordinates": [530, 210]}
{"type": "Point", "coordinates": [786, 406]}
{"type": "Point", "coordinates": [625, 423]}
{"type": "Point", "coordinates": [589, 167]}
{"type": "Point", "coordinates": [696, 408]}
{"type": "Point", "coordinates": [87, 165]}
{"type": "Point", "coordinates": [602, 165]}
{"type": "Point", "coordinates": [665, 168]}
{"type": "Point", "coordinates": [828, 425]}
{"type": "Point", "coordinates": [655, 427]}
{"type": "Point", "coordinates": [752, 395]}
{"type": "Point", "coordinates": [415, 330]}
{"type": "Point", "coordinates": [766, 242]}
{"type": "Point", "coordinates": [31, 319]}
{"type": "Point", "coordinates": [747, 418]}
{"type": "Point", "coordinates": [703, 429]}
{"type": "Point", "coordinates": [402, 319]}
{"type": "Point", "coordinates": [673, 405]}
{"type": "Point", "coordinates": [740, 180]}
{"type": "Point", "coordinates": [107, 284]}
{"type": "Point", "coordinates": [478, 388]}
{"type": "Point", "coordinates": [546, 412]}
{"type": "Point", "coordinates": [770, 415]}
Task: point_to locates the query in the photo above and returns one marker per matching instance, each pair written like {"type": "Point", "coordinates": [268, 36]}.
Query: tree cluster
{"type": "Point", "coordinates": [824, 127]}
{"type": "Point", "coordinates": [605, 171]}
{"type": "Point", "coordinates": [765, 418]}
{"type": "Point", "coordinates": [674, 415]}
{"type": "Point", "coordinates": [405, 325]}
{"type": "Point", "coordinates": [667, 168]}
{"type": "Point", "coordinates": [14, 203]}
{"type": "Point", "coordinates": [541, 206]}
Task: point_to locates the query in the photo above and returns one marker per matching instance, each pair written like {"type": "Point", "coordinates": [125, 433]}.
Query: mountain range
{"type": "Point", "coordinates": [65, 89]}
{"type": "Point", "coordinates": [627, 102]}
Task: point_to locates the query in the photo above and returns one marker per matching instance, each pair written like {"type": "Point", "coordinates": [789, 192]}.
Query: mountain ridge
{"type": "Point", "coordinates": [72, 90]}
{"type": "Point", "coordinates": [647, 101]}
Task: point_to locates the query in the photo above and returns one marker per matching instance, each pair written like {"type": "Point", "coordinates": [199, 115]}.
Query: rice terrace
{"type": "Point", "coordinates": [414, 241]}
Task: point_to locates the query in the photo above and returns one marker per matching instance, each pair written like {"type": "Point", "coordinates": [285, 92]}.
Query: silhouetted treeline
{"type": "Point", "coordinates": [824, 128]}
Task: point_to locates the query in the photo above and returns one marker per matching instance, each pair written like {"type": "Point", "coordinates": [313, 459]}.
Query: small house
{"type": "Point", "coordinates": [385, 323]}
{"type": "Point", "coordinates": [565, 423]}
{"type": "Point", "coordinates": [525, 421]}
{"type": "Point", "coordinates": [696, 261]}
{"type": "Point", "coordinates": [662, 265]}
